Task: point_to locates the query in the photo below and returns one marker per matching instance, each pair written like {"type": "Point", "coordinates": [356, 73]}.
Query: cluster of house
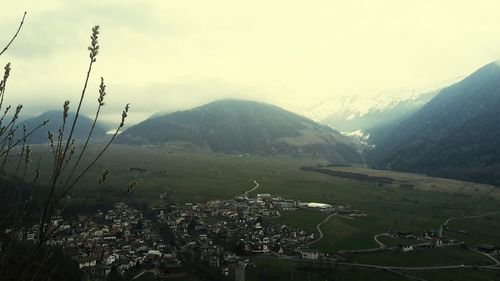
{"type": "Point", "coordinates": [118, 239]}
{"type": "Point", "coordinates": [219, 233]}
{"type": "Point", "coordinates": [434, 238]}
{"type": "Point", "coordinates": [222, 232]}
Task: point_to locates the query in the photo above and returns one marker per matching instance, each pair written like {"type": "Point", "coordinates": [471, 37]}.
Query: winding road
{"type": "Point", "coordinates": [467, 217]}
{"type": "Point", "coordinates": [496, 261]}
{"type": "Point", "coordinates": [318, 227]}
{"type": "Point", "coordinates": [382, 245]}
{"type": "Point", "coordinates": [254, 188]}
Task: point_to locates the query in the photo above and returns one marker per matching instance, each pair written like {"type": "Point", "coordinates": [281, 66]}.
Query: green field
{"type": "Point", "coordinates": [424, 257]}
{"type": "Point", "coordinates": [484, 229]}
{"type": "Point", "coordinates": [197, 176]}
{"type": "Point", "coordinates": [411, 202]}
{"type": "Point", "coordinates": [273, 269]}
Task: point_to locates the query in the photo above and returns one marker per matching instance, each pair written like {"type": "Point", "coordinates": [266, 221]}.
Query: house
{"type": "Point", "coordinates": [214, 262]}
{"type": "Point", "coordinates": [487, 248]}
{"type": "Point", "coordinates": [310, 255]}
{"type": "Point", "coordinates": [406, 248]}
{"type": "Point", "coordinates": [260, 248]}
{"type": "Point", "coordinates": [88, 261]}
{"type": "Point", "coordinates": [400, 233]}
{"type": "Point", "coordinates": [110, 259]}
{"type": "Point", "coordinates": [264, 196]}
{"type": "Point", "coordinates": [431, 233]}
{"type": "Point", "coordinates": [285, 204]}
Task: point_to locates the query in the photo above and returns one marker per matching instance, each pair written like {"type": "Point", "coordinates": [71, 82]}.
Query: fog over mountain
{"type": "Point", "coordinates": [294, 55]}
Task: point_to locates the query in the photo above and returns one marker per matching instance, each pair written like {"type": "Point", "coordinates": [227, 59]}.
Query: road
{"type": "Point", "coordinates": [254, 188]}
{"type": "Point", "coordinates": [318, 227]}
{"type": "Point", "coordinates": [497, 263]}
{"type": "Point", "coordinates": [382, 245]}
{"type": "Point", "coordinates": [443, 267]}
{"type": "Point", "coordinates": [462, 217]}
{"type": "Point", "coordinates": [406, 275]}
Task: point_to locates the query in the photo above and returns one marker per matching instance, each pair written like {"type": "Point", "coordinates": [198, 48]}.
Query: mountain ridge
{"type": "Point", "coordinates": [357, 112]}
{"type": "Point", "coordinates": [55, 117]}
{"type": "Point", "coordinates": [454, 135]}
{"type": "Point", "coordinates": [242, 126]}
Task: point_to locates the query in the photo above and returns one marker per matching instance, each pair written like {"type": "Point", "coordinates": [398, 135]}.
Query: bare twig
{"type": "Point", "coordinates": [15, 35]}
{"type": "Point", "coordinates": [124, 116]}
{"type": "Point", "coordinates": [100, 100]}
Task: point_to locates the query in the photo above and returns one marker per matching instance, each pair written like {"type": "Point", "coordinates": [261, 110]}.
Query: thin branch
{"type": "Point", "coordinates": [22, 151]}
{"type": "Point", "coordinates": [15, 35]}
{"type": "Point", "coordinates": [48, 207]}
{"type": "Point", "coordinates": [102, 93]}
{"type": "Point", "coordinates": [124, 115]}
{"type": "Point", "coordinates": [47, 210]}
{"type": "Point", "coordinates": [2, 152]}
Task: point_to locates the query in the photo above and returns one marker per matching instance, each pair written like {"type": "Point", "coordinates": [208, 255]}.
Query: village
{"type": "Point", "coordinates": [222, 234]}
{"type": "Point", "coordinates": [120, 239]}
{"type": "Point", "coordinates": [219, 237]}
{"type": "Point", "coordinates": [218, 234]}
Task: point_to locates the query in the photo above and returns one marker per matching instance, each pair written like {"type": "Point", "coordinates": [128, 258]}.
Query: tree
{"type": "Point", "coordinates": [18, 260]}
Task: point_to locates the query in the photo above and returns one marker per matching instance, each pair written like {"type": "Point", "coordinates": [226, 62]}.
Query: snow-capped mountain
{"type": "Point", "coordinates": [361, 112]}
{"type": "Point", "coordinates": [359, 137]}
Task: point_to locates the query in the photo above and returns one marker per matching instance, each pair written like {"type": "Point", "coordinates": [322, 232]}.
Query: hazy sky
{"type": "Point", "coordinates": [164, 55]}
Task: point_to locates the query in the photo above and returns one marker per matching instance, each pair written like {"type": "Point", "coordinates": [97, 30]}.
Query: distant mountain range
{"type": "Point", "coordinates": [361, 113]}
{"type": "Point", "coordinates": [236, 126]}
{"type": "Point", "coordinates": [456, 134]}
{"type": "Point", "coordinates": [452, 132]}
{"type": "Point", "coordinates": [55, 118]}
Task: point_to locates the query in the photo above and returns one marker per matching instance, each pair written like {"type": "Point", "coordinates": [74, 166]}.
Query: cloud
{"type": "Point", "coordinates": [168, 55]}
{"type": "Point", "coordinates": [65, 27]}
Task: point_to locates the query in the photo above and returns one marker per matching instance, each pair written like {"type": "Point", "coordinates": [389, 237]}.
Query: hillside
{"type": "Point", "coordinates": [55, 121]}
{"type": "Point", "coordinates": [454, 135]}
{"type": "Point", "coordinates": [235, 126]}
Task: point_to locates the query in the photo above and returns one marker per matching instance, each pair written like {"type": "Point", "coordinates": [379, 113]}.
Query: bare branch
{"type": "Point", "coordinates": [15, 35]}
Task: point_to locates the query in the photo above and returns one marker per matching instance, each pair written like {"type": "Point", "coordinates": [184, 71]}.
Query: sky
{"type": "Point", "coordinates": [162, 56]}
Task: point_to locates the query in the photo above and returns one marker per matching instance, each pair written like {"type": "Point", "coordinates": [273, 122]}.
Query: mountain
{"type": "Point", "coordinates": [82, 129]}
{"type": "Point", "coordinates": [236, 126]}
{"type": "Point", "coordinates": [454, 135]}
{"type": "Point", "coordinates": [353, 113]}
{"type": "Point", "coordinates": [360, 112]}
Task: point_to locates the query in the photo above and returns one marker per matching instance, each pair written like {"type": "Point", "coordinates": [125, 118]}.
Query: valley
{"type": "Point", "coordinates": [392, 200]}
{"type": "Point", "coordinates": [249, 141]}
